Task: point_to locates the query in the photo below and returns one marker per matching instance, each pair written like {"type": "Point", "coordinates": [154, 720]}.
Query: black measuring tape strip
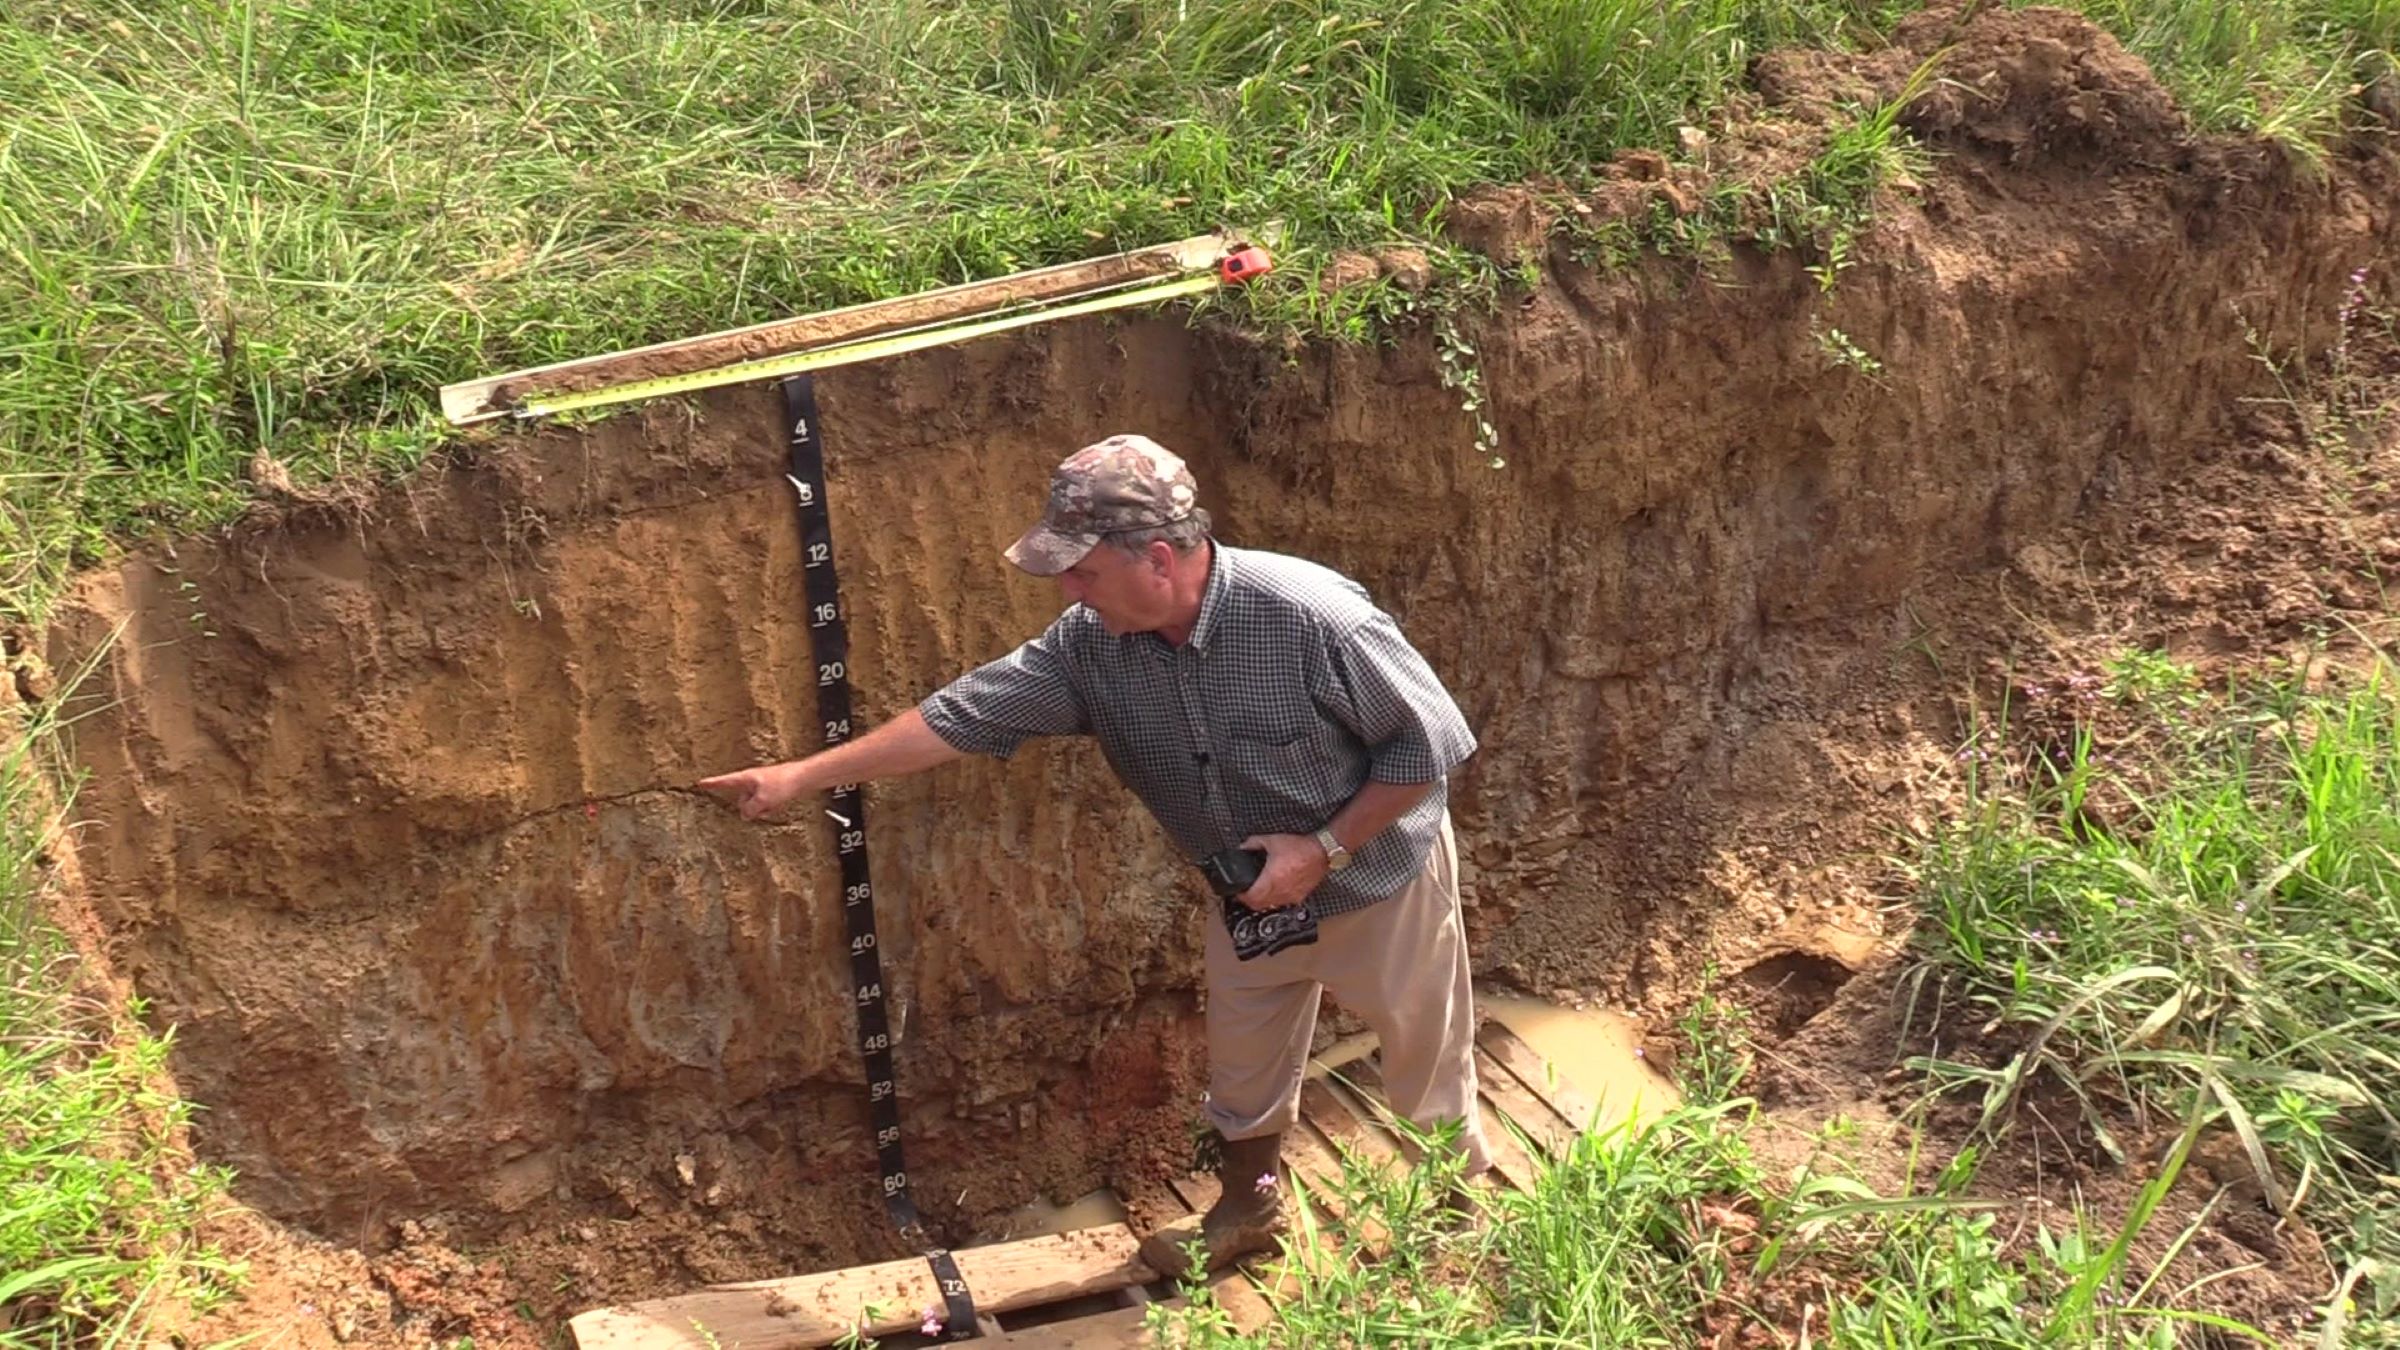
{"type": "Point", "coordinates": [829, 640]}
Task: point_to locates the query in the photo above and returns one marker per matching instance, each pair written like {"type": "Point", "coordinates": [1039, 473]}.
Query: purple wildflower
{"type": "Point", "coordinates": [1265, 1182]}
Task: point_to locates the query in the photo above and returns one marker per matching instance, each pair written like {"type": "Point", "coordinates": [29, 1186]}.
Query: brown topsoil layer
{"type": "Point", "coordinates": [389, 811]}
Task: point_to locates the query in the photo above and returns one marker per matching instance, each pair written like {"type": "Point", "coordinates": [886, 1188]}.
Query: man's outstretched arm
{"type": "Point", "coordinates": [902, 746]}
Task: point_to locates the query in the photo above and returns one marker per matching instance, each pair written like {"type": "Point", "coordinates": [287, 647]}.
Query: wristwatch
{"type": "Point", "coordinates": [1336, 857]}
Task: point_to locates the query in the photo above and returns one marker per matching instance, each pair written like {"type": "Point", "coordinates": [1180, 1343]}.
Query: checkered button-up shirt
{"type": "Point", "coordinates": [1293, 691]}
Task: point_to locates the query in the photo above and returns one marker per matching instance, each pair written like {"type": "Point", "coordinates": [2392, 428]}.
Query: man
{"type": "Point", "coordinates": [1252, 700]}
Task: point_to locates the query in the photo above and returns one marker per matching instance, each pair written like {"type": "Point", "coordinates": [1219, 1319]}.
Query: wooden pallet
{"type": "Point", "coordinates": [1089, 1289]}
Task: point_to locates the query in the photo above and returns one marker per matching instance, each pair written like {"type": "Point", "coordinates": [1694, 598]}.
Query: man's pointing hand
{"type": "Point", "coordinates": [755, 792]}
{"type": "Point", "coordinates": [903, 745]}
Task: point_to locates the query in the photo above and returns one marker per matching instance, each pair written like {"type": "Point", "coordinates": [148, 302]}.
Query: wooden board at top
{"type": "Point", "coordinates": [495, 395]}
{"type": "Point", "coordinates": [815, 1310]}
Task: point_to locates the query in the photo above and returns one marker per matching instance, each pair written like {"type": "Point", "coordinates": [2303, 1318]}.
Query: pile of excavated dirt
{"type": "Point", "coordinates": [389, 812]}
{"type": "Point", "coordinates": [2272, 554]}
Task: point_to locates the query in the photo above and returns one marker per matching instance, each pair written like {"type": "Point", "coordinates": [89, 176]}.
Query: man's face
{"type": "Point", "coordinates": [1132, 593]}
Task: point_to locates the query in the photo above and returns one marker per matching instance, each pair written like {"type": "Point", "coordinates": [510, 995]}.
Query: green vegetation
{"type": "Point", "coordinates": [236, 226]}
{"type": "Point", "coordinates": [239, 224]}
{"type": "Point", "coordinates": [2281, 69]}
{"type": "Point", "coordinates": [2174, 901]}
{"type": "Point", "coordinates": [96, 1218]}
{"type": "Point", "coordinates": [1671, 1233]}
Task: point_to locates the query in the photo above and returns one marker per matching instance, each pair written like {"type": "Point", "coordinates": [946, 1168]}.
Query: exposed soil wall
{"type": "Point", "coordinates": [387, 812]}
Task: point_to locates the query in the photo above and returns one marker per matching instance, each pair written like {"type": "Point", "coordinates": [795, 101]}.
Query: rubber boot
{"type": "Point", "coordinates": [1248, 1218]}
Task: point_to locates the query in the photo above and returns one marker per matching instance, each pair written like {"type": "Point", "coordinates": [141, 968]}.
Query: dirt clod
{"type": "Point", "coordinates": [1347, 270]}
{"type": "Point", "coordinates": [1408, 268]}
{"type": "Point", "coordinates": [1508, 225]}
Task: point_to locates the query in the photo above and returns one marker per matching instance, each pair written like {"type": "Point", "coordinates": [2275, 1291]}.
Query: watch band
{"type": "Point", "coordinates": [1336, 857]}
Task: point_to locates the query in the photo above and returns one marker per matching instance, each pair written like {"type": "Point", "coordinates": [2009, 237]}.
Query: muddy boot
{"type": "Point", "coordinates": [1247, 1219]}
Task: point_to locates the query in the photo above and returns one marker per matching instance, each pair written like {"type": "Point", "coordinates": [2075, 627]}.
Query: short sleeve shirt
{"type": "Point", "coordinates": [1293, 691]}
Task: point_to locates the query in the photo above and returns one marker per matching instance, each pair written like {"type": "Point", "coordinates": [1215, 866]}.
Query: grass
{"type": "Point", "coordinates": [2262, 68]}
{"type": "Point", "coordinates": [97, 1209]}
{"type": "Point", "coordinates": [2171, 900]}
{"type": "Point", "coordinates": [236, 227]}
{"type": "Point", "coordinates": [1671, 1233]}
{"type": "Point", "coordinates": [239, 225]}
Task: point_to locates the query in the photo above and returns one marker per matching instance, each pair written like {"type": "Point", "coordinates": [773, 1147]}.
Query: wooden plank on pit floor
{"type": "Point", "coordinates": [1508, 1157]}
{"type": "Point", "coordinates": [1244, 1306]}
{"type": "Point", "coordinates": [816, 1310]}
{"type": "Point", "coordinates": [1536, 1074]}
{"type": "Point", "coordinates": [1306, 1153]}
{"type": "Point", "coordinates": [1321, 1104]}
{"type": "Point", "coordinates": [1120, 1329]}
{"type": "Point", "coordinates": [1549, 1131]}
{"type": "Point", "coordinates": [1363, 1079]}
{"type": "Point", "coordinates": [1311, 1153]}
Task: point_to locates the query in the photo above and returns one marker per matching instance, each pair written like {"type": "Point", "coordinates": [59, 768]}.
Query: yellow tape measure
{"type": "Point", "coordinates": [868, 349]}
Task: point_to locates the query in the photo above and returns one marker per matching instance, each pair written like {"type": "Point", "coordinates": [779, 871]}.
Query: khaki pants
{"type": "Point", "coordinates": [1400, 964]}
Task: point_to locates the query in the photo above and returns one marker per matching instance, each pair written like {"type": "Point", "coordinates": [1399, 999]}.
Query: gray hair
{"type": "Point", "coordinates": [1183, 535]}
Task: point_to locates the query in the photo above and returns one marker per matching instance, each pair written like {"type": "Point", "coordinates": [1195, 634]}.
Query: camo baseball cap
{"type": "Point", "coordinates": [1122, 483]}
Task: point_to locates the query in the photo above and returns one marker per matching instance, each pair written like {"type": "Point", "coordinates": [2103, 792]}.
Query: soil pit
{"type": "Point", "coordinates": [389, 819]}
